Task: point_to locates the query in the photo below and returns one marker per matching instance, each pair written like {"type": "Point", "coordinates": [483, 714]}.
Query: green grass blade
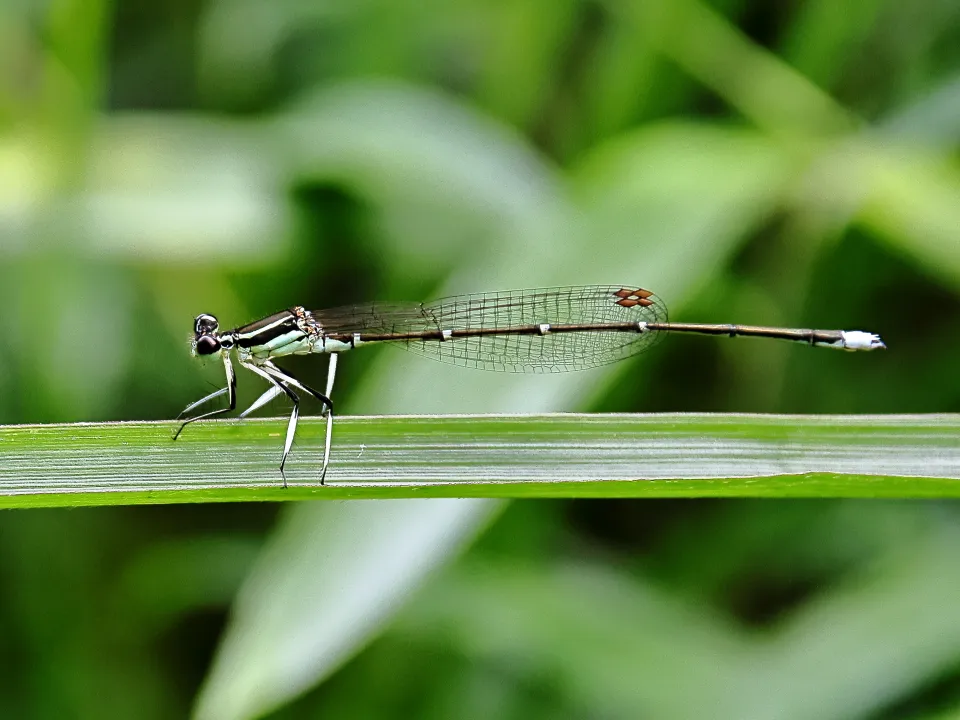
{"type": "Point", "coordinates": [558, 455]}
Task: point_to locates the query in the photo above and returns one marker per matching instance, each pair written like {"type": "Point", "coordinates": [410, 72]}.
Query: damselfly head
{"type": "Point", "coordinates": [205, 339]}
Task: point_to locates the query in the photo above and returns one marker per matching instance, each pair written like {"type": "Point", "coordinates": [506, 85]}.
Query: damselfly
{"type": "Point", "coordinates": [540, 331]}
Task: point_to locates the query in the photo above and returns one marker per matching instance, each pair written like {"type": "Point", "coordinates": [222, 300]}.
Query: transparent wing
{"type": "Point", "coordinates": [511, 352]}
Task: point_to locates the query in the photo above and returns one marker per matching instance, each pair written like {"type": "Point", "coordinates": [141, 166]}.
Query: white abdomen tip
{"type": "Point", "coordinates": [858, 340]}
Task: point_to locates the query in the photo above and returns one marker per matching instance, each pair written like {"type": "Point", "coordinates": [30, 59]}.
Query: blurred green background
{"type": "Point", "coordinates": [771, 163]}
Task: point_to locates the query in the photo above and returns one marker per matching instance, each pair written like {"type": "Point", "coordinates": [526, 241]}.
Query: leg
{"type": "Point", "coordinates": [292, 423]}
{"type": "Point", "coordinates": [275, 390]}
{"type": "Point", "coordinates": [201, 401]}
{"type": "Point", "coordinates": [286, 378]}
{"type": "Point", "coordinates": [230, 389]}
{"type": "Point", "coordinates": [267, 396]}
{"type": "Point", "coordinates": [331, 373]}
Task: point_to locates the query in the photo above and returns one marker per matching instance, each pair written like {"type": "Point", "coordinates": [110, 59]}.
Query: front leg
{"type": "Point", "coordinates": [202, 401]}
{"type": "Point", "coordinates": [230, 389]}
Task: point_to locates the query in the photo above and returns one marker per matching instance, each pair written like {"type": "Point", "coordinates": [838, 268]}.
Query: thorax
{"type": "Point", "coordinates": [290, 332]}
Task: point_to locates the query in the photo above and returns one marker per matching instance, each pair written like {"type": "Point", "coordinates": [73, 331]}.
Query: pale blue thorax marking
{"type": "Point", "coordinates": [247, 336]}
{"type": "Point", "coordinates": [295, 342]}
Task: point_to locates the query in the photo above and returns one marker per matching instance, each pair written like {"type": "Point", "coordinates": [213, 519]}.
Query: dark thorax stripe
{"type": "Point", "coordinates": [265, 330]}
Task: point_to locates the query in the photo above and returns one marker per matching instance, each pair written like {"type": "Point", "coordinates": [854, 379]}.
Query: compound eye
{"type": "Point", "coordinates": [205, 324]}
{"type": "Point", "coordinates": [207, 345]}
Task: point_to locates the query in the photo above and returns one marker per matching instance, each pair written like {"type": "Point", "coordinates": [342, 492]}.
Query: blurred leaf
{"type": "Point", "coordinates": [617, 646]}
{"type": "Point", "coordinates": [894, 180]}
{"type": "Point", "coordinates": [458, 175]}
{"type": "Point", "coordinates": [825, 35]}
{"type": "Point", "coordinates": [300, 615]}
{"type": "Point", "coordinates": [953, 714]}
{"type": "Point", "coordinates": [675, 200]}
{"type": "Point", "coordinates": [754, 81]}
{"type": "Point", "coordinates": [914, 195]}
{"type": "Point", "coordinates": [794, 545]}
{"type": "Point", "coordinates": [622, 74]}
{"type": "Point", "coordinates": [526, 51]}
{"type": "Point", "coordinates": [613, 645]}
{"type": "Point", "coordinates": [75, 38]}
{"type": "Point", "coordinates": [85, 387]}
{"type": "Point", "coordinates": [158, 189]}
{"type": "Point", "coordinates": [932, 121]}
{"type": "Point", "coordinates": [185, 189]}
{"type": "Point", "coordinates": [168, 580]}
{"type": "Point", "coordinates": [239, 41]}
{"type": "Point", "coordinates": [914, 203]}
{"type": "Point", "coordinates": [887, 631]}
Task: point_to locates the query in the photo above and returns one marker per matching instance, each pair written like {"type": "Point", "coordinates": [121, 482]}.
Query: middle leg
{"type": "Point", "coordinates": [294, 415]}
